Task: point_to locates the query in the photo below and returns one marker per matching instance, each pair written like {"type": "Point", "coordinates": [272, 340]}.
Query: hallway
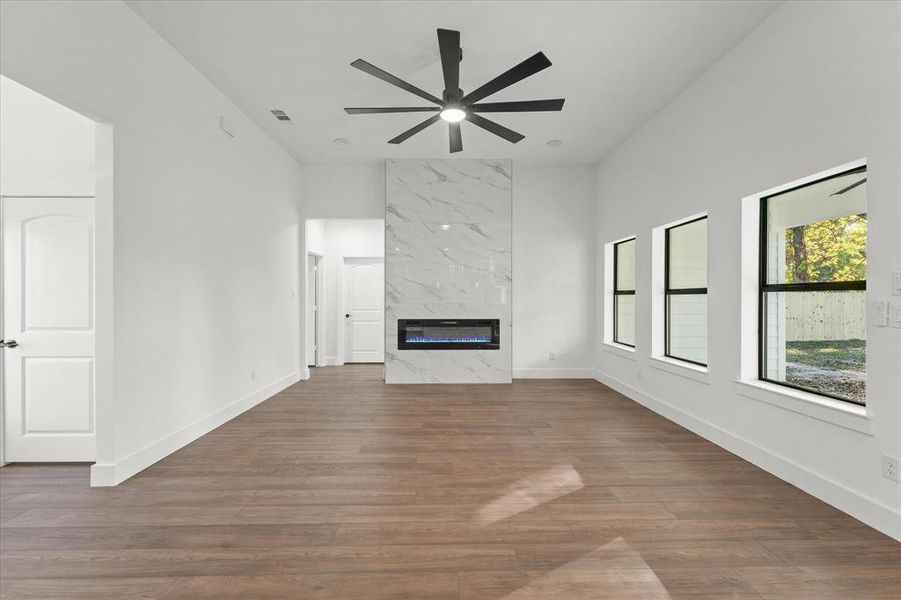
{"type": "Point", "coordinates": [341, 487]}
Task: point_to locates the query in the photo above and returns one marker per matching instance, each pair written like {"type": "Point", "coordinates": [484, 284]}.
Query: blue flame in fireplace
{"type": "Point", "coordinates": [420, 339]}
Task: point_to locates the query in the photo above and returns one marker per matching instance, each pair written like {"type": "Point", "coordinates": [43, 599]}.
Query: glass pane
{"type": "Point", "coordinates": [625, 319]}
{"type": "Point", "coordinates": [687, 322]}
{"type": "Point", "coordinates": [819, 232]}
{"type": "Point", "coordinates": [625, 265]}
{"type": "Point", "coordinates": [688, 255]}
{"type": "Point", "coordinates": [448, 334]}
{"type": "Point", "coordinates": [817, 341]}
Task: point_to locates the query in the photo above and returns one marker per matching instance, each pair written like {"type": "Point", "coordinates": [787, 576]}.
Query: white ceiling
{"type": "Point", "coordinates": [616, 63]}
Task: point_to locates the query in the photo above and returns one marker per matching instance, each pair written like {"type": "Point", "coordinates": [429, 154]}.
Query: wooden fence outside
{"type": "Point", "coordinates": [806, 317]}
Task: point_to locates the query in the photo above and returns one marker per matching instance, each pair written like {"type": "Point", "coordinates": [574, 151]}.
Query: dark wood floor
{"type": "Point", "coordinates": [344, 488]}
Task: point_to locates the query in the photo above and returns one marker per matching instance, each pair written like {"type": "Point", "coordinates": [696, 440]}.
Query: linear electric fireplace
{"type": "Point", "coordinates": [448, 334]}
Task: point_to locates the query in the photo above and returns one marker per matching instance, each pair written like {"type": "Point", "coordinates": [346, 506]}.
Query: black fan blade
{"type": "Point", "coordinates": [391, 109]}
{"type": "Point", "coordinates": [526, 68]}
{"type": "Point", "coordinates": [388, 77]}
{"type": "Point", "coordinates": [521, 106]}
{"type": "Point", "coordinates": [850, 187]}
{"type": "Point", "coordinates": [456, 139]}
{"type": "Point", "coordinates": [449, 46]}
{"type": "Point", "coordinates": [495, 128]}
{"type": "Point", "coordinates": [414, 130]}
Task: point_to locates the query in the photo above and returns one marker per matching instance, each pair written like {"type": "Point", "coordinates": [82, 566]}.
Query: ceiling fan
{"type": "Point", "coordinates": [454, 106]}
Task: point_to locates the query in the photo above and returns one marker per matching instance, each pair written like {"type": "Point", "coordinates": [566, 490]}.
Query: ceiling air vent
{"type": "Point", "coordinates": [280, 114]}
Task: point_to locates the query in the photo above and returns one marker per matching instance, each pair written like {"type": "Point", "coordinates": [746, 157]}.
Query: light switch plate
{"type": "Point", "coordinates": [880, 313]}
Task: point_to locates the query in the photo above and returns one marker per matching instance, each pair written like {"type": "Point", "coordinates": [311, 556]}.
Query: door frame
{"type": "Point", "coordinates": [319, 321]}
{"type": "Point", "coordinates": [343, 262]}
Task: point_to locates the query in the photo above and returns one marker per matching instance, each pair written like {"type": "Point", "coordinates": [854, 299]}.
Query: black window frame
{"type": "Point", "coordinates": [618, 292]}
{"type": "Point", "coordinates": [818, 286]}
{"type": "Point", "coordinates": [671, 291]}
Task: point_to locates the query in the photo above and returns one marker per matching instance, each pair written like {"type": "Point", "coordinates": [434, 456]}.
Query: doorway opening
{"type": "Point", "coordinates": [344, 286]}
{"type": "Point", "coordinates": [55, 279]}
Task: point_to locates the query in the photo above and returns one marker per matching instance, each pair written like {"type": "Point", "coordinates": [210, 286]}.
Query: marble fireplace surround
{"type": "Point", "coordinates": [448, 255]}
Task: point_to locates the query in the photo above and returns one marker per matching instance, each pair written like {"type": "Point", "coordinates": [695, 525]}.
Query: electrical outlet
{"type": "Point", "coordinates": [253, 374]}
{"type": "Point", "coordinates": [552, 356]}
{"type": "Point", "coordinates": [890, 467]}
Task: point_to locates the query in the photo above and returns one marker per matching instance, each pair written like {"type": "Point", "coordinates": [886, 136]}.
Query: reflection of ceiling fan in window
{"type": "Point", "coordinates": [454, 106]}
{"type": "Point", "coordinates": [850, 187]}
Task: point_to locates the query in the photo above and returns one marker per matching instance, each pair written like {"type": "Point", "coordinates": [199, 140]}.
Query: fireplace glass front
{"type": "Point", "coordinates": [448, 334]}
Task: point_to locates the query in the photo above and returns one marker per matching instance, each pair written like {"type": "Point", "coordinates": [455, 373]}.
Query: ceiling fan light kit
{"type": "Point", "coordinates": [454, 107]}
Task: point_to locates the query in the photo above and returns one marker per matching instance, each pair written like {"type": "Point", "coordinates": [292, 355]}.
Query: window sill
{"type": "Point", "coordinates": [620, 350]}
{"type": "Point", "coordinates": [842, 414]}
{"type": "Point", "coordinates": [681, 368]}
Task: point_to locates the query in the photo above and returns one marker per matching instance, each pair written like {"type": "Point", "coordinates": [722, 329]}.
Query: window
{"type": "Point", "coordinates": [624, 292]}
{"type": "Point", "coordinates": [813, 272]}
{"type": "Point", "coordinates": [685, 287]}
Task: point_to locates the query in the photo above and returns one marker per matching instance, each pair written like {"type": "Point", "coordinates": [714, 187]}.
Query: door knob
{"type": "Point", "coordinates": [9, 344]}
{"type": "Point", "coordinates": [346, 315]}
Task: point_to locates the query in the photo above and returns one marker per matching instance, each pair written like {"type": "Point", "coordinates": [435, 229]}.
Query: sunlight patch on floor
{"type": "Point", "coordinates": [613, 570]}
{"type": "Point", "coordinates": [531, 491]}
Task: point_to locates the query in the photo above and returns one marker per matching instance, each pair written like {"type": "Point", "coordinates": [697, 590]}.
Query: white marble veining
{"type": "Point", "coordinates": [448, 255]}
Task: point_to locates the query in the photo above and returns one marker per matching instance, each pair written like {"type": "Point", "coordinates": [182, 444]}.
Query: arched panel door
{"type": "Point", "coordinates": [48, 329]}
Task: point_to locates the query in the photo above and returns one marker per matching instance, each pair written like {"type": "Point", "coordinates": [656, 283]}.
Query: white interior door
{"type": "Point", "coordinates": [312, 310]}
{"type": "Point", "coordinates": [48, 309]}
{"type": "Point", "coordinates": [364, 301]}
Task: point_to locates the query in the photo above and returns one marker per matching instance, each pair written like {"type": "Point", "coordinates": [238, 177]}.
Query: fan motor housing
{"type": "Point", "coordinates": [452, 98]}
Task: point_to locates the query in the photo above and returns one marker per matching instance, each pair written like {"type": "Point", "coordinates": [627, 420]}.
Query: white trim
{"type": "Point", "coordinates": [837, 412]}
{"type": "Point", "coordinates": [554, 373]}
{"type": "Point", "coordinates": [110, 474]}
{"type": "Point", "coordinates": [304, 375]}
{"type": "Point", "coordinates": [319, 327]}
{"type": "Point", "coordinates": [679, 367]}
{"type": "Point", "coordinates": [871, 512]}
{"type": "Point", "coordinates": [332, 361]}
{"type": "Point", "coordinates": [620, 350]}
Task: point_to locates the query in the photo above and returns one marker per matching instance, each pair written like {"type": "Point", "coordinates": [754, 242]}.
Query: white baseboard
{"type": "Point", "coordinates": [867, 510]}
{"type": "Point", "coordinates": [305, 374]}
{"type": "Point", "coordinates": [333, 361]}
{"type": "Point", "coordinates": [110, 474]}
{"type": "Point", "coordinates": [551, 373]}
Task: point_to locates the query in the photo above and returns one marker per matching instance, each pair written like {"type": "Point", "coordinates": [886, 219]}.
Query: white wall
{"type": "Point", "coordinates": [46, 149]}
{"type": "Point", "coordinates": [553, 270]}
{"type": "Point", "coordinates": [815, 86]}
{"type": "Point", "coordinates": [206, 228]}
